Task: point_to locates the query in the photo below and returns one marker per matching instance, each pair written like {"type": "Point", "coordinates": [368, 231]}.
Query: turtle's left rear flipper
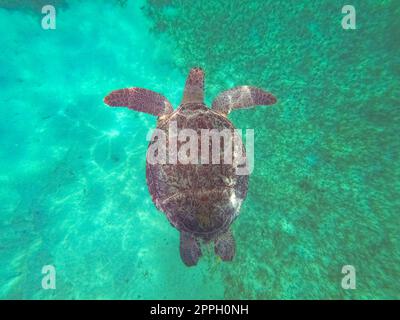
{"type": "Point", "coordinates": [139, 99]}
{"type": "Point", "coordinates": [189, 249]}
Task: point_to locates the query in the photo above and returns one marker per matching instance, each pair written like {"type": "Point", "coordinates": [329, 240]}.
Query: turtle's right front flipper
{"type": "Point", "coordinates": [139, 99]}
{"type": "Point", "coordinates": [242, 97]}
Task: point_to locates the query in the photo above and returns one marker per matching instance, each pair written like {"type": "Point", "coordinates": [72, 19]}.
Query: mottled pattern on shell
{"type": "Point", "coordinates": [202, 199]}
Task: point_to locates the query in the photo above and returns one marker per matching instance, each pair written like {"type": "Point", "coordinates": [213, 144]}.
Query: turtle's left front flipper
{"type": "Point", "coordinates": [139, 99]}
{"type": "Point", "coordinates": [241, 98]}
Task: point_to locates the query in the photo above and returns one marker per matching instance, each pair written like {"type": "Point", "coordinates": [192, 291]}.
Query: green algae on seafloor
{"type": "Point", "coordinates": [325, 189]}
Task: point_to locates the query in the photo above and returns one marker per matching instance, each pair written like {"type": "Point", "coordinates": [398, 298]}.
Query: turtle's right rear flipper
{"type": "Point", "coordinates": [225, 246]}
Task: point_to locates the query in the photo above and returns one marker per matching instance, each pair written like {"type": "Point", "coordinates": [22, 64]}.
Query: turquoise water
{"type": "Point", "coordinates": [325, 188]}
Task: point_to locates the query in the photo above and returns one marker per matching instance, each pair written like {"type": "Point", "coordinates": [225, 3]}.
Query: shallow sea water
{"type": "Point", "coordinates": [325, 188]}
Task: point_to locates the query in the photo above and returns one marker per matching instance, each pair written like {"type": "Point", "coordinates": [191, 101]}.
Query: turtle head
{"type": "Point", "coordinates": [194, 87]}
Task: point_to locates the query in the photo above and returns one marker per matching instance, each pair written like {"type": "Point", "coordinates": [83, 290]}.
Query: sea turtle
{"type": "Point", "coordinates": [200, 200]}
